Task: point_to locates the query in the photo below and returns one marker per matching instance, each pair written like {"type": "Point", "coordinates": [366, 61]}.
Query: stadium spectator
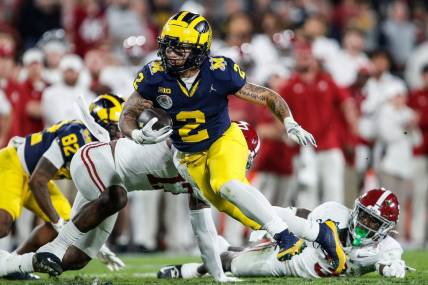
{"type": "Point", "coordinates": [400, 33]}
{"type": "Point", "coordinates": [58, 100]}
{"type": "Point", "coordinates": [90, 28]}
{"type": "Point", "coordinates": [32, 89]}
{"type": "Point", "coordinates": [37, 17]}
{"type": "Point", "coordinates": [124, 20]}
{"type": "Point", "coordinates": [375, 92]}
{"type": "Point", "coordinates": [54, 47]}
{"type": "Point", "coordinates": [95, 62]}
{"type": "Point", "coordinates": [270, 49]}
{"type": "Point", "coordinates": [11, 88]}
{"type": "Point", "coordinates": [418, 101]}
{"type": "Point", "coordinates": [348, 60]}
{"type": "Point", "coordinates": [397, 134]}
{"type": "Point", "coordinates": [316, 102]}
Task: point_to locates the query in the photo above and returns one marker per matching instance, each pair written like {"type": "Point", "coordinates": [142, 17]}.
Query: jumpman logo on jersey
{"type": "Point", "coordinates": [212, 88]}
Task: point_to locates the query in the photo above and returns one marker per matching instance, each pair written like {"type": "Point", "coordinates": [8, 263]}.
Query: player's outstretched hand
{"type": "Point", "coordinates": [110, 259]}
{"type": "Point", "coordinates": [147, 135]}
{"type": "Point", "coordinates": [297, 133]}
{"type": "Point", "coordinates": [394, 268]}
{"type": "Point", "coordinates": [228, 279]}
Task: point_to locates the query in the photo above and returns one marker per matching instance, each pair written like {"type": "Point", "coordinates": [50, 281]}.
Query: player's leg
{"type": "Point", "coordinates": [39, 236]}
{"type": "Point", "coordinates": [89, 243]}
{"type": "Point", "coordinates": [12, 177]}
{"type": "Point", "coordinates": [226, 162]}
{"type": "Point", "coordinates": [93, 172]}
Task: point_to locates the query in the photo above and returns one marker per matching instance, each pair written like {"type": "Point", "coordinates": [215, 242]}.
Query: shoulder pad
{"type": "Point", "coordinates": [153, 72]}
{"type": "Point", "coordinates": [221, 67]}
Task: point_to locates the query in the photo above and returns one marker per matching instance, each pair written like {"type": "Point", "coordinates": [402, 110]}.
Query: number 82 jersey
{"type": "Point", "coordinates": [199, 113]}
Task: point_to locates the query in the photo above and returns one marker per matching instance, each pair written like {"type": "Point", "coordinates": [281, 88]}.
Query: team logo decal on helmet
{"type": "Point", "coordinates": [164, 101]}
{"type": "Point", "coordinates": [185, 30]}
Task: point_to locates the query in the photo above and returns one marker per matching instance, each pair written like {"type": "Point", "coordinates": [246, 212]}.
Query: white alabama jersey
{"type": "Point", "coordinates": [148, 167]}
{"type": "Point", "coordinates": [135, 167]}
{"type": "Point", "coordinates": [312, 263]}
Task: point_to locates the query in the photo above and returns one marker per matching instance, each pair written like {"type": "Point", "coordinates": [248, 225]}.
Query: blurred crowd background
{"type": "Point", "coordinates": [354, 73]}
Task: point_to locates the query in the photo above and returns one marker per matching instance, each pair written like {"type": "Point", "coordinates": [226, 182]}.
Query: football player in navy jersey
{"type": "Point", "coordinates": [29, 165]}
{"type": "Point", "coordinates": [211, 152]}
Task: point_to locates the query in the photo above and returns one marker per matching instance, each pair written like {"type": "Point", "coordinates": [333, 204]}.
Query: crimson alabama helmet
{"type": "Point", "coordinates": [253, 140]}
{"type": "Point", "coordinates": [375, 214]}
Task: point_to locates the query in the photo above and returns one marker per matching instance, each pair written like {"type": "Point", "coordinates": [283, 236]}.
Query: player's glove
{"type": "Point", "coordinates": [110, 259]}
{"type": "Point", "coordinates": [394, 268]}
{"type": "Point", "coordinates": [147, 135]}
{"type": "Point", "coordinates": [296, 133]}
{"type": "Point", "coordinates": [58, 226]}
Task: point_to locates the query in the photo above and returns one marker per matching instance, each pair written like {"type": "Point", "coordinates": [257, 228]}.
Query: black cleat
{"type": "Point", "coordinates": [170, 272]}
{"type": "Point", "coordinates": [46, 262]}
{"type": "Point", "coordinates": [21, 276]}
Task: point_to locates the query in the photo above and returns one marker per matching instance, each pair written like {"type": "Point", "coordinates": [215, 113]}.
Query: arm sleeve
{"type": "Point", "coordinates": [206, 234]}
{"type": "Point", "coordinates": [54, 155]}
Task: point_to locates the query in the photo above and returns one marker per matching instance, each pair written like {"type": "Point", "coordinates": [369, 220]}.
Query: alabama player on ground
{"type": "Point", "coordinates": [126, 166]}
{"type": "Point", "coordinates": [364, 232]}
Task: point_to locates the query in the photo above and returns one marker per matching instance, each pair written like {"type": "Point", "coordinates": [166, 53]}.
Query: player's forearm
{"type": "Point", "coordinates": [132, 108]}
{"type": "Point", "coordinates": [267, 97]}
{"type": "Point", "coordinates": [41, 194]}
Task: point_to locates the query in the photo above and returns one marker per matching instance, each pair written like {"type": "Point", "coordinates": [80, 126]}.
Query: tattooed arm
{"type": "Point", "coordinates": [267, 97]}
{"type": "Point", "coordinates": [129, 126]}
{"type": "Point", "coordinates": [131, 110]}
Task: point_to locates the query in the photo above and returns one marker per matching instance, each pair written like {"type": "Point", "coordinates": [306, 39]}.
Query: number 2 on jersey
{"type": "Point", "coordinates": [194, 119]}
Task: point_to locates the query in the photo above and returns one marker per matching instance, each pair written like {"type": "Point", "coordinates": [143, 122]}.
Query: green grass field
{"type": "Point", "coordinates": [142, 270]}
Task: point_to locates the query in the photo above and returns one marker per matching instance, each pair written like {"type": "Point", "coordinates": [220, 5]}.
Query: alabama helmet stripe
{"type": "Point", "coordinates": [382, 198]}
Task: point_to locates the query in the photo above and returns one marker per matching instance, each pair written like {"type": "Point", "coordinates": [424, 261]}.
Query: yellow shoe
{"type": "Point", "coordinates": [328, 238]}
{"type": "Point", "coordinates": [289, 245]}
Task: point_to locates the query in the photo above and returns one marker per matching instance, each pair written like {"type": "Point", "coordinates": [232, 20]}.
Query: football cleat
{"type": "Point", "coordinates": [21, 276]}
{"type": "Point", "coordinates": [170, 272]}
{"type": "Point", "coordinates": [289, 245]}
{"type": "Point", "coordinates": [328, 238]}
{"type": "Point", "coordinates": [46, 262]}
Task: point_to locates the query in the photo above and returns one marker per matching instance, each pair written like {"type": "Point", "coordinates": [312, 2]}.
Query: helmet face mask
{"type": "Point", "coordinates": [367, 227]}
{"type": "Point", "coordinates": [188, 36]}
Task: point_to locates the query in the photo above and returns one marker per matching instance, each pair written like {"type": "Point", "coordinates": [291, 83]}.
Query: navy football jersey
{"type": "Point", "coordinates": [70, 135]}
{"type": "Point", "coordinates": [200, 114]}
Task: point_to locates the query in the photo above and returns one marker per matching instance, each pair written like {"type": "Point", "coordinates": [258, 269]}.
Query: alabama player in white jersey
{"type": "Point", "coordinates": [101, 171]}
{"type": "Point", "coordinates": [364, 232]}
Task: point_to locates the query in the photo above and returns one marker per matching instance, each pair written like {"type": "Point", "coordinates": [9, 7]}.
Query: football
{"type": "Point", "coordinates": [163, 118]}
